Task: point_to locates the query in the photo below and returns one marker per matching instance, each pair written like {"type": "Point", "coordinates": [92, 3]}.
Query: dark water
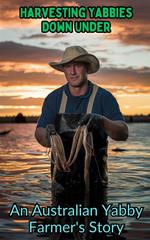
{"type": "Point", "coordinates": [25, 178]}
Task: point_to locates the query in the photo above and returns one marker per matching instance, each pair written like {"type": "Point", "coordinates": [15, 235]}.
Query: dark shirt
{"type": "Point", "coordinates": [104, 104]}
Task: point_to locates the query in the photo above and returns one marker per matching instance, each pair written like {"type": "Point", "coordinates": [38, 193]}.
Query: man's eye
{"type": "Point", "coordinates": [68, 65]}
{"type": "Point", "coordinates": [79, 64]}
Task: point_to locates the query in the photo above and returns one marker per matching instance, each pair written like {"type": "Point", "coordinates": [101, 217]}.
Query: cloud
{"type": "Point", "coordinates": [16, 52]}
{"type": "Point", "coordinates": [16, 100]}
{"type": "Point", "coordinates": [125, 84]}
{"type": "Point", "coordinates": [118, 80]}
{"type": "Point", "coordinates": [136, 35]}
{"type": "Point", "coordinates": [103, 60]}
{"type": "Point", "coordinates": [42, 36]}
{"type": "Point", "coordinates": [127, 90]}
{"type": "Point", "coordinates": [20, 78]}
{"type": "Point", "coordinates": [28, 65]}
{"type": "Point", "coordinates": [25, 65]}
{"type": "Point", "coordinates": [10, 10]}
{"type": "Point", "coordinates": [124, 77]}
{"type": "Point", "coordinates": [136, 30]}
{"type": "Point", "coordinates": [65, 44]}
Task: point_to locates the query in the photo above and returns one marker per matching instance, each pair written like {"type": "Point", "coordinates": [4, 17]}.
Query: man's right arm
{"type": "Point", "coordinates": [42, 136]}
{"type": "Point", "coordinates": [47, 117]}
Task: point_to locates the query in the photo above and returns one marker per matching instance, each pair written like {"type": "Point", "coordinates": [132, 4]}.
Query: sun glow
{"type": "Point", "coordinates": [27, 91]}
{"type": "Point", "coordinates": [26, 67]}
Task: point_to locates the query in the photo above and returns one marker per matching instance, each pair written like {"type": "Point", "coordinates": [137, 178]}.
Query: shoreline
{"type": "Point", "coordinates": [34, 119]}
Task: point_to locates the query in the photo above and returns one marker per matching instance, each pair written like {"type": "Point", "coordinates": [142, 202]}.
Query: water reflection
{"type": "Point", "coordinates": [25, 178]}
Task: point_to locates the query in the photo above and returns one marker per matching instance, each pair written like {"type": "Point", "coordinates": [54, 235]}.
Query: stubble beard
{"type": "Point", "coordinates": [80, 84]}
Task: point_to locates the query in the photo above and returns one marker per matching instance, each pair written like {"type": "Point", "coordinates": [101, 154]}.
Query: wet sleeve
{"type": "Point", "coordinates": [48, 114]}
{"type": "Point", "coordinates": [111, 108]}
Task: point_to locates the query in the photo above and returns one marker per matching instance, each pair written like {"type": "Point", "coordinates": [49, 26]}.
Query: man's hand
{"type": "Point", "coordinates": [42, 135]}
{"type": "Point", "coordinates": [93, 121]}
{"type": "Point", "coordinates": [50, 129]}
{"type": "Point", "coordinates": [117, 129]}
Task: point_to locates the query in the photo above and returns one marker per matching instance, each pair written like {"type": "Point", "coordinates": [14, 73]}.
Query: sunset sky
{"type": "Point", "coordinates": [26, 78]}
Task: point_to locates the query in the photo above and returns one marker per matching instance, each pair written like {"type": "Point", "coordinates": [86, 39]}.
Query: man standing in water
{"type": "Point", "coordinates": [81, 102]}
{"type": "Point", "coordinates": [94, 106]}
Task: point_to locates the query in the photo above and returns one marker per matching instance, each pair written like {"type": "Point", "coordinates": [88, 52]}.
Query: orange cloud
{"type": "Point", "coordinates": [23, 65]}
{"type": "Point", "coordinates": [16, 100]}
{"type": "Point", "coordinates": [136, 34]}
{"type": "Point", "coordinates": [19, 78]}
{"type": "Point", "coordinates": [10, 11]}
{"type": "Point", "coordinates": [118, 80]}
{"type": "Point", "coordinates": [123, 77]}
{"type": "Point", "coordinates": [134, 31]}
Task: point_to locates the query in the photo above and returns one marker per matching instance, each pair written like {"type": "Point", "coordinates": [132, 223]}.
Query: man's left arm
{"type": "Point", "coordinates": [113, 121]}
{"type": "Point", "coordinates": [117, 130]}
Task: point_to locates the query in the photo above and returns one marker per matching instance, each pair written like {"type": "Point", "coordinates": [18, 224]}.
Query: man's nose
{"type": "Point", "coordinates": [73, 69]}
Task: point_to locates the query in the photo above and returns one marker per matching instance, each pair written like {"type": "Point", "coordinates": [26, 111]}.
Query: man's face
{"type": "Point", "coordinates": [76, 73]}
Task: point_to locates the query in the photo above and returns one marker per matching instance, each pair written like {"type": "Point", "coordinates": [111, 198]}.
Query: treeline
{"type": "Point", "coordinates": [19, 118]}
